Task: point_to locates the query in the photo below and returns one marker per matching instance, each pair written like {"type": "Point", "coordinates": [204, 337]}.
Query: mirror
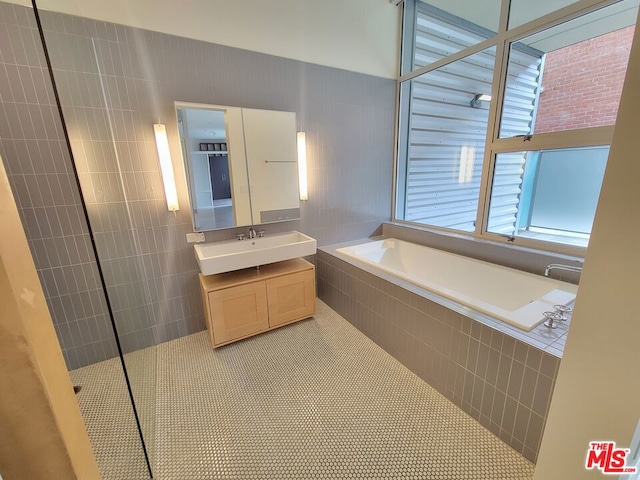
{"type": "Point", "coordinates": [240, 164]}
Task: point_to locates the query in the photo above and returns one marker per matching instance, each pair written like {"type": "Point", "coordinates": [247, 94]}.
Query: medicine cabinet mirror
{"type": "Point", "coordinates": [240, 163]}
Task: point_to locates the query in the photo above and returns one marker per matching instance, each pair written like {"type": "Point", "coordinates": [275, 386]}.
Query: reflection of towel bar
{"type": "Point", "coordinates": [280, 161]}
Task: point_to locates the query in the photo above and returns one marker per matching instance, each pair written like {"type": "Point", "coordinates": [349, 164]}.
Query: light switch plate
{"type": "Point", "coordinates": [195, 237]}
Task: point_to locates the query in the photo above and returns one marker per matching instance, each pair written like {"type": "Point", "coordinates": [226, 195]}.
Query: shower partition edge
{"type": "Point", "coordinates": [90, 230]}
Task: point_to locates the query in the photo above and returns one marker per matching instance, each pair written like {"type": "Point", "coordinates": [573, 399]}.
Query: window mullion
{"type": "Point", "coordinates": [407, 45]}
{"type": "Point", "coordinates": [585, 137]}
{"type": "Point", "coordinates": [402, 154]}
{"type": "Point", "coordinates": [504, 16]}
{"type": "Point", "coordinates": [493, 129]}
{"type": "Point", "coordinates": [524, 242]}
{"type": "Point", "coordinates": [478, 47]}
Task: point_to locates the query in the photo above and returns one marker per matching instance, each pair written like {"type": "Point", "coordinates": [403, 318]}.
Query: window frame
{"type": "Point", "coordinates": [502, 40]}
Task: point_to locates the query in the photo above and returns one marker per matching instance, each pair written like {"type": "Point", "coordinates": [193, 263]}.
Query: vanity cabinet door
{"type": "Point", "coordinates": [238, 312]}
{"type": "Point", "coordinates": [291, 297]}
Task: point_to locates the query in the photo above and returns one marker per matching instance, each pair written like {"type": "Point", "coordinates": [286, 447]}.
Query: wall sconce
{"type": "Point", "coordinates": [479, 98]}
{"type": "Point", "coordinates": [302, 166]}
{"type": "Point", "coordinates": [166, 167]}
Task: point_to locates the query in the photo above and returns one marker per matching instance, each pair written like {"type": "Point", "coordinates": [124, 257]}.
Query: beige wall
{"type": "Point", "coordinates": [42, 434]}
{"type": "Point", "coordinates": [356, 35]}
{"type": "Point", "coordinates": [597, 395]}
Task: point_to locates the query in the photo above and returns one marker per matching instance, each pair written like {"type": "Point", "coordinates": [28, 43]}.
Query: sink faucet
{"type": "Point", "coordinates": [252, 233]}
{"type": "Point", "coordinates": [559, 266]}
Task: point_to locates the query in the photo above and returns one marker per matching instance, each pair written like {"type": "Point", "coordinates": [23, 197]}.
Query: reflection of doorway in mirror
{"type": "Point", "coordinates": [221, 186]}
{"type": "Point", "coordinates": [204, 132]}
{"type": "Point", "coordinates": [219, 171]}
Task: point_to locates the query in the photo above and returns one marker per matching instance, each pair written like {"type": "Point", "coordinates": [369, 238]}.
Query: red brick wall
{"type": "Point", "coordinates": [582, 83]}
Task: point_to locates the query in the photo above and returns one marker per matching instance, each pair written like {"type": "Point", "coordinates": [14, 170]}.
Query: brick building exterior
{"type": "Point", "coordinates": [582, 83]}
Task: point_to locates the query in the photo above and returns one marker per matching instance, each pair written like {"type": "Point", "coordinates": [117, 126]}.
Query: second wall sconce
{"type": "Point", "coordinates": [302, 166]}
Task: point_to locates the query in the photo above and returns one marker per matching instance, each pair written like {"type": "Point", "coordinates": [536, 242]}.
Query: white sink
{"type": "Point", "coordinates": [229, 255]}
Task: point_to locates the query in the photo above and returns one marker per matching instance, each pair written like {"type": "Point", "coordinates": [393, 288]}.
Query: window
{"type": "Point", "coordinates": [504, 131]}
{"type": "Point", "coordinates": [556, 198]}
{"type": "Point", "coordinates": [571, 79]}
{"type": "Point", "coordinates": [445, 148]}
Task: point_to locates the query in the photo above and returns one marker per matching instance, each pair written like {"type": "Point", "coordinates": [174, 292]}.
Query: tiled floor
{"type": "Point", "coordinates": [316, 399]}
{"type": "Point", "coordinates": [105, 406]}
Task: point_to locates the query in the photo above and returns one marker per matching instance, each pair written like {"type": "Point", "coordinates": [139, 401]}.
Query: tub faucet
{"type": "Point", "coordinates": [559, 266]}
{"type": "Point", "coordinates": [252, 233]}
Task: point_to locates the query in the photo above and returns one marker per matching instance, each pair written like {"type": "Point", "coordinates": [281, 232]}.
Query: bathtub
{"type": "Point", "coordinates": [515, 297]}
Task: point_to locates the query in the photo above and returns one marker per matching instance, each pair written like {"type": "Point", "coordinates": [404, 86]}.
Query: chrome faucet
{"type": "Point", "coordinates": [252, 233]}
{"type": "Point", "coordinates": [559, 266]}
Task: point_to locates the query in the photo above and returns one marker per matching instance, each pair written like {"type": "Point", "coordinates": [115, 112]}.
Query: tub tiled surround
{"type": "Point", "coordinates": [502, 382]}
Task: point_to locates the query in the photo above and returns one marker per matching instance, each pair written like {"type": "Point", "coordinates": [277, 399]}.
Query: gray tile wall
{"type": "Point", "coordinates": [503, 383]}
{"type": "Point", "coordinates": [35, 155]}
{"type": "Point", "coordinates": [115, 82]}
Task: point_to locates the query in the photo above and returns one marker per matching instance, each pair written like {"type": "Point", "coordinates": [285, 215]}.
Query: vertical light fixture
{"type": "Point", "coordinates": [302, 166]}
{"type": "Point", "coordinates": [166, 167]}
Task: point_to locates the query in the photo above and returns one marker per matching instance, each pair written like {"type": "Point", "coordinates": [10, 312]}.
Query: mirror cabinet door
{"type": "Point", "coordinates": [272, 161]}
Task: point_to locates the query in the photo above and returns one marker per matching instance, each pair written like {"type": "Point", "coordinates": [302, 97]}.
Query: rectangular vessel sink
{"type": "Point", "coordinates": [229, 255]}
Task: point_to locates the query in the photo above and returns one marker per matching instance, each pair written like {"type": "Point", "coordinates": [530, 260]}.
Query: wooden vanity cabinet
{"type": "Point", "coordinates": [246, 302]}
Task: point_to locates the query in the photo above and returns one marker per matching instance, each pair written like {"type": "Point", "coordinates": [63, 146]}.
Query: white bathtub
{"type": "Point", "coordinates": [515, 297]}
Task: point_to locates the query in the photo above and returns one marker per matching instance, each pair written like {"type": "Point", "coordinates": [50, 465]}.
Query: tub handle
{"type": "Point", "coordinates": [562, 309]}
{"type": "Point", "coordinates": [552, 318]}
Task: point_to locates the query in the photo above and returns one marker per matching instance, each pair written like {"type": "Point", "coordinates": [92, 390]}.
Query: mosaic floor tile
{"type": "Point", "coordinates": [316, 399]}
{"type": "Point", "coordinates": [106, 408]}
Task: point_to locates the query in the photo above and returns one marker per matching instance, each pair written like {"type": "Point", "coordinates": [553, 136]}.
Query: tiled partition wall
{"type": "Point", "coordinates": [38, 164]}
{"type": "Point", "coordinates": [503, 383]}
{"type": "Point", "coordinates": [115, 82]}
